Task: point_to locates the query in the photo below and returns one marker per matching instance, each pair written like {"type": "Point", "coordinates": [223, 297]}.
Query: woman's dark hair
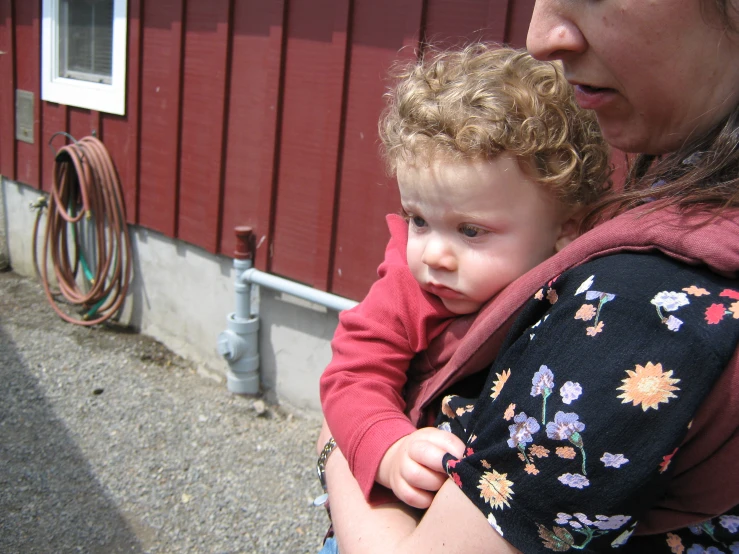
{"type": "Point", "coordinates": [703, 174]}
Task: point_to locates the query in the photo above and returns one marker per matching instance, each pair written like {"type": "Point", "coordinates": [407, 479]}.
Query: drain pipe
{"type": "Point", "coordinates": [239, 343]}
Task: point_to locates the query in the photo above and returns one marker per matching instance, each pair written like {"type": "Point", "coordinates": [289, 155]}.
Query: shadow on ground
{"type": "Point", "coordinates": [50, 500]}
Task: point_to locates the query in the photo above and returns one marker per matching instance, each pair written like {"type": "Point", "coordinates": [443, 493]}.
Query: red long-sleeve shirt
{"type": "Point", "coordinates": [362, 388]}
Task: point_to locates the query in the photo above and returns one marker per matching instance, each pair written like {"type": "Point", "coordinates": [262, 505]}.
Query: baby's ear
{"type": "Point", "coordinates": [569, 230]}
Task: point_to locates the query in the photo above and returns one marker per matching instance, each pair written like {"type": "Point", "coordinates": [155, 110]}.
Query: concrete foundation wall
{"type": "Point", "coordinates": [181, 295]}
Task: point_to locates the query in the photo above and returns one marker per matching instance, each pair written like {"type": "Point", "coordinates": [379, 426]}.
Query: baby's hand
{"type": "Point", "coordinates": [412, 466]}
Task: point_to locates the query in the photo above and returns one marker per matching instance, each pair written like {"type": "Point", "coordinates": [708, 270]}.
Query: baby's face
{"type": "Point", "coordinates": [475, 226]}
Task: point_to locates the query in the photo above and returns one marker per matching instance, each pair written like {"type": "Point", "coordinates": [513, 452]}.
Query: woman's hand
{"type": "Point", "coordinates": [412, 466]}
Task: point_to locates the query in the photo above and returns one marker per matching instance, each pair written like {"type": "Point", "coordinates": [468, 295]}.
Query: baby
{"type": "Point", "coordinates": [495, 164]}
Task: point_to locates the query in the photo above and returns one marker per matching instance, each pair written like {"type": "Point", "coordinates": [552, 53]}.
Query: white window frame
{"type": "Point", "coordinates": [108, 98]}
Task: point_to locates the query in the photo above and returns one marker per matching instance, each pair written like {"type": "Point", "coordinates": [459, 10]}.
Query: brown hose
{"type": "Point", "coordinates": [86, 185]}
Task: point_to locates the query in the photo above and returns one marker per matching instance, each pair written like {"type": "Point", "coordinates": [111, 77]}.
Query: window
{"type": "Point", "coordinates": [84, 54]}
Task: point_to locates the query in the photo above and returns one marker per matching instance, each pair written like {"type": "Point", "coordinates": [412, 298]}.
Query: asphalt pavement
{"type": "Point", "coordinates": [111, 443]}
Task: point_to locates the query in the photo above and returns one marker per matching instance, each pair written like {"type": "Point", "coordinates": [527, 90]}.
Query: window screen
{"type": "Point", "coordinates": [86, 40]}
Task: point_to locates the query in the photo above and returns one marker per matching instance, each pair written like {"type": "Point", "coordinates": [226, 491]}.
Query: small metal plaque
{"type": "Point", "coordinates": [24, 116]}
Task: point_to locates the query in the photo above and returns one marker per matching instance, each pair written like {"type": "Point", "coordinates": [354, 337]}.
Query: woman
{"type": "Point", "coordinates": [608, 420]}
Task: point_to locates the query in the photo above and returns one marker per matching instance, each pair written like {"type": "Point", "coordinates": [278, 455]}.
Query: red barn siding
{"type": "Point", "coordinates": [161, 78]}
{"type": "Point", "coordinates": [7, 90]}
{"type": "Point", "coordinates": [27, 21]}
{"type": "Point", "coordinates": [454, 22]}
{"type": "Point", "coordinates": [121, 134]}
{"type": "Point", "coordinates": [310, 138]}
{"type": "Point", "coordinates": [55, 120]}
{"type": "Point", "coordinates": [380, 28]}
{"type": "Point", "coordinates": [251, 112]}
{"type": "Point", "coordinates": [251, 125]}
{"type": "Point", "coordinates": [518, 22]}
{"type": "Point", "coordinates": [201, 136]}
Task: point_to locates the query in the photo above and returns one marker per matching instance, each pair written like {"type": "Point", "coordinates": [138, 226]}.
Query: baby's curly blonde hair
{"type": "Point", "coordinates": [484, 100]}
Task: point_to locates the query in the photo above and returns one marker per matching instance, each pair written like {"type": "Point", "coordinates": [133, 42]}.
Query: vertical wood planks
{"type": "Point", "coordinates": [382, 31]}
{"type": "Point", "coordinates": [83, 123]}
{"type": "Point", "coordinates": [201, 135]}
{"type": "Point", "coordinates": [519, 19]}
{"type": "Point", "coordinates": [456, 22]}
{"type": "Point", "coordinates": [310, 139]}
{"type": "Point", "coordinates": [253, 107]}
{"type": "Point", "coordinates": [27, 20]}
{"type": "Point", "coordinates": [245, 112]}
{"type": "Point", "coordinates": [160, 114]}
{"type": "Point", "coordinates": [7, 90]}
{"type": "Point", "coordinates": [121, 133]}
{"type": "Point", "coordinates": [55, 120]}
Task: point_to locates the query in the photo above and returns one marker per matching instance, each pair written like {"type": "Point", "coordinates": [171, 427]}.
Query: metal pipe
{"type": "Point", "coordinates": [305, 292]}
{"type": "Point", "coordinates": [239, 343]}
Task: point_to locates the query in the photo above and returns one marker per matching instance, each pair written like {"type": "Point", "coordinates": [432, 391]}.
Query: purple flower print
{"type": "Point", "coordinates": [698, 549]}
{"type": "Point", "coordinates": [670, 301]}
{"type": "Point", "coordinates": [603, 297]}
{"type": "Point", "coordinates": [564, 426]}
{"type": "Point", "coordinates": [567, 427]}
{"type": "Point", "coordinates": [582, 524]}
{"type": "Point", "coordinates": [731, 523]}
{"type": "Point", "coordinates": [522, 429]}
{"type": "Point", "coordinates": [574, 480]}
{"type": "Point", "coordinates": [673, 323]}
{"type": "Point", "coordinates": [570, 391]}
{"type": "Point", "coordinates": [613, 460]}
{"type": "Point", "coordinates": [610, 523]}
{"type": "Point", "coordinates": [543, 384]}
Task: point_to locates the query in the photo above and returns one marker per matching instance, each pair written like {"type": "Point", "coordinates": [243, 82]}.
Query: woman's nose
{"type": "Point", "coordinates": [553, 32]}
{"type": "Point", "coordinates": [438, 254]}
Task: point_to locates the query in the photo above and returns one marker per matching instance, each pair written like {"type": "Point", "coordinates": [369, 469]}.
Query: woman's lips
{"type": "Point", "coordinates": [443, 292]}
{"type": "Point", "coordinates": [593, 98]}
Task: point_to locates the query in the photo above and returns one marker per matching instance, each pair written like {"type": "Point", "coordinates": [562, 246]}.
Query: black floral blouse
{"type": "Point", "coordinates": [571, 440]}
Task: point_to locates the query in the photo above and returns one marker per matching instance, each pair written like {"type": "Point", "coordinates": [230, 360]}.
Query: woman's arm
{"type": "Point", "coordinates": [452, 523]}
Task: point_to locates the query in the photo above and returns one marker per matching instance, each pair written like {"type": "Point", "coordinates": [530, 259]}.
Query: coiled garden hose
{"type": "Point", "coordinates": [85, 229]}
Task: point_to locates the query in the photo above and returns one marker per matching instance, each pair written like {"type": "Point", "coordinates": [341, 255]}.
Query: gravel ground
{"type": "Point", "coordinates": [111, 443]}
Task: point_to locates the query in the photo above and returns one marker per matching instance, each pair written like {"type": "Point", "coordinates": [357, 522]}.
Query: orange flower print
{"type": "Point", "coordinates": [495, 489]}
{"type": "Point", "coordinates": [692, 290]}
{"type": "Point", "coordinates": [485, 464]}
{"type": "Point", "coordinates": [539, 451]}
{"type": "Point", "coordinates": [509, 412]}
{"type": "Point", "coordinates": [552, 296]}
{"type": "Point", "coordinates": [592, 331]}
{"type": "Point", "coordinates": [499, 383]}
{"type": "Point", "coordinates": [648, 385]}
{"type": "Point", "coordinates": [464, 409]}
{"type": "Point", "coordinates": [675, 543]}
{"type": "Point", "coordinates": [446, 409]}
{"type": "Point", "coordinates": [539, 294]}
{"type": "Point", "coordinates": [715, 313]}
{"type": "Point", "coordinates": [566, 452]}
{"type": "Point", "coordinates": [521, 456]}
{"type": "Point", "coordinates": [586, 312]}
{"type": "Point", "coordinates": [665, 463]}
{"type": "Point", "coordinates": [531, 469]}
{"type": "Point", "coordinates": [734, 309]}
